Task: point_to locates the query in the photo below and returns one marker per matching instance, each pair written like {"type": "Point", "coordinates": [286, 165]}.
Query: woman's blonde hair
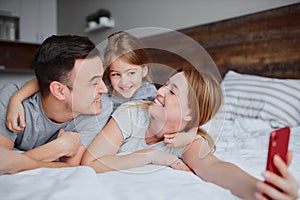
{"type": "Point", "coordinates": [204, 98]}
{"type": "Point", "coordinates": [122, 45]}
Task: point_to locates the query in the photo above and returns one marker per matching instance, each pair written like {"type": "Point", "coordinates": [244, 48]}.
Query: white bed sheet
{"type": "Point", "coordinates": [243, 142]}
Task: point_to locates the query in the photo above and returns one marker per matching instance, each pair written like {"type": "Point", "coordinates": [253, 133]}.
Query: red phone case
{"type": "Point", "coordinates": [278, 145]}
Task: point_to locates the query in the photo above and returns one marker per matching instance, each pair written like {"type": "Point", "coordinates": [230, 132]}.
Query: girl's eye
{"type": "Point", "coordinates": [132, 73]}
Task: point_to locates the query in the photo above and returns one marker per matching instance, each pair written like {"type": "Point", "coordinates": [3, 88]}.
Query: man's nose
{"type": "Point", "coordinates": [102, 87]}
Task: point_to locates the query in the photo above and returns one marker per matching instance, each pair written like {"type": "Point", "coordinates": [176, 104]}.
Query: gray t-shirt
{"type": "Point", "coordinates": [146, 92]}
{"type": "Point", "coordinates": [40, 129]}
{"type": "Point", "coordinates": [133, 119]}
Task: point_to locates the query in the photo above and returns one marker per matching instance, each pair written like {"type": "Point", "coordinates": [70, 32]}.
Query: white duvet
{"type": "Point", "coordinates": [243, 142]}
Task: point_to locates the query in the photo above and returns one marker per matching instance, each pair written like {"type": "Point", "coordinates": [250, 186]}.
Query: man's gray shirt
{"type": "Point", "coordinates": [40, 129]}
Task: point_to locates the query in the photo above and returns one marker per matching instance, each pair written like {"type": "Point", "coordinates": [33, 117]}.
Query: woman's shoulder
{"type": "Point", "coordinates": [133, 106]}
{"type": "Point", "coordinates": [134, 103]}
{"type": "Point", "coordinates": [131, 114]}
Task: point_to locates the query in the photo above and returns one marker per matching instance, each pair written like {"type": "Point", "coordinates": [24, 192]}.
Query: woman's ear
{"type": "Point", "coordinates": [188, 117]}
{"type": "Point", "coordinates": [58, 90]}
{"type": "Point", "coordinates": [145, 70]}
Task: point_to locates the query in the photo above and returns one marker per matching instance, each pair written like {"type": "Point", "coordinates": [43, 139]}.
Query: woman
{"type": "Point", "coordinates": [134, 137]}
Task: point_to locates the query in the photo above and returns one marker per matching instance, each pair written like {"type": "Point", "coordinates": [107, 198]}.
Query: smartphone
{"type": "Point", "coordinates": [278, 145]}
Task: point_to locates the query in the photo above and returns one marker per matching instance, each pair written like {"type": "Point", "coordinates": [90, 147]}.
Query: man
{"type": "Point", "coordinates": [69, 73]}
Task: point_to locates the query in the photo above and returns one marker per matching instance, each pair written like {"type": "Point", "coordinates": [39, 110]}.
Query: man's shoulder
{"type": "Point", "coordinates": [9, 86]}
{"type": "Point", "coordinates": [7, 91]}
{"type": "Point", "coordinates": [107, 105]}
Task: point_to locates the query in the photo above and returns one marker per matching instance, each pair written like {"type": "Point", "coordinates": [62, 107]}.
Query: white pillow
{"type": "Point", "coordinates": [274, 100]}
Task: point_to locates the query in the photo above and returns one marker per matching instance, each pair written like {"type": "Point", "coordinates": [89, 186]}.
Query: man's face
{"type": "Point", "coordinates": [88, 86]}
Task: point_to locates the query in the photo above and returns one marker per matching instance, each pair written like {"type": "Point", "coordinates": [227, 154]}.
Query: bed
{"type": "Point", "coordinates": [243, 137]}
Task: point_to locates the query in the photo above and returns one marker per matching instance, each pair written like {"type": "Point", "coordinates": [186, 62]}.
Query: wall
{"type": "Point", "coordinates": [171, 14]}
{"type": "Point", "coordinates": [38, 18]}
{"type": "Point", "coordinates": [265, 43]}
{"type": "Point", "coordinates": [128, 14]}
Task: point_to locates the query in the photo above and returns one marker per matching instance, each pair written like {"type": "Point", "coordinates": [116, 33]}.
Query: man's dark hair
{"type": "Point", "coordinates": [56, 56]}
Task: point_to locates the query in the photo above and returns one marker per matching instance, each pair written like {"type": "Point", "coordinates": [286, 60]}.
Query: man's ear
{"type": "Point", "coordinates": [57, 89]}
{"type": "Point", "coordinates": [145, 71]}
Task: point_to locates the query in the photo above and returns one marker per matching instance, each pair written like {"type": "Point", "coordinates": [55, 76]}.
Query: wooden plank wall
{"type": "Point", "coordinates": [265, 43]}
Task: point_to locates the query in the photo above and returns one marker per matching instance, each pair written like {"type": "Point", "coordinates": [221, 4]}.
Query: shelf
{"type": "Point", "coordinates": [15, 70]}
{"type": "Point", "coordinates": [99, 27]}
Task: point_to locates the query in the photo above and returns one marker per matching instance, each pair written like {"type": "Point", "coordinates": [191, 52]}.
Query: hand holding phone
{"type": "Point", "coordinates": [278, 145]}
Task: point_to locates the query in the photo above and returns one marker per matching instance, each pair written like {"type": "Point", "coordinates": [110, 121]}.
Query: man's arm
{"type": "Point", "coordinates": [66, 144]}
{"type": "Point", "coordinates": [6, 142]}
{"type": "Point", "coordinates": [76, 159]}
{"type": "Point", "coordinates": [12, 162]}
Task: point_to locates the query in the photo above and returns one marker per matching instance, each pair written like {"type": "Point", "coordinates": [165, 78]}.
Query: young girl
{"type": "Point", "coordinates": [133, 138]}
{"type": "Point", "coordinates": [126, 77]}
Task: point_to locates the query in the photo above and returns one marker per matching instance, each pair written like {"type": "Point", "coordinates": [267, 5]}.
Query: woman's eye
{"type": "Point", "coordinates": [132, 73]}
{"type": "Point", "coordinates": [170, 89]}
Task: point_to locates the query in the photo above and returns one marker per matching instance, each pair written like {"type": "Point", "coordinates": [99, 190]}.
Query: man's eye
{"type": "Point", "coordinates": [114, 74]}
{"type": "Point", "coordinates": [132, 73]}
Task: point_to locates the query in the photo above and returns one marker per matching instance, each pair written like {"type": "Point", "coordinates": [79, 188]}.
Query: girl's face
{"type": "Point", "coordinates": [171, 103]}
{"type": "Point", "coordinates": [126, 78]}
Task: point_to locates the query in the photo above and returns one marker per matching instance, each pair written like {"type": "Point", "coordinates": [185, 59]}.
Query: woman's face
{"type": "Point", "coordinates": [126, 78]}
{"type": "Point", "coordinates": [171, 103]}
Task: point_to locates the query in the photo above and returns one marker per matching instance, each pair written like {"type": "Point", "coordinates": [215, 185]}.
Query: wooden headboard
{"type": "Point", "coordinates": [265, 43]}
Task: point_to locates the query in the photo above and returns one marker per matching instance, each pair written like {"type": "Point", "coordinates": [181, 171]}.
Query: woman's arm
{"type": "Point", "coordinates": [15, 110]}
{"type": "Point", "coordinates": [200, 159]}
{"type": "Point", "coordinates": [102, 153]}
